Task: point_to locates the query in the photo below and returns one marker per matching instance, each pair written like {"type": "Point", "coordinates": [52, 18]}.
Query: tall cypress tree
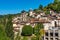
{"type": "Point", "coordinates": [9, 28]}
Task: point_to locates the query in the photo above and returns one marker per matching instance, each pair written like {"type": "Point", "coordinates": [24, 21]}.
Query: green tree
{"type": "Point", "coordinates": [23, 11]}
{"type": "Point", "coordinates": [35, 10]}
{"type": "Point", "coordinates": [58, 8]}
{"type": "Point", "coordinates": [9, 28]}
{"type": "Point", "coordinates": [2, 33]}
{"type": "Point", "coordinates": [56, 1]}
{"type": "Point", "coordinates": [42, 32]}
{"type": "Point", "coordinates": [40, 7]}
{"type": "Point", "coordinates": [27, 30]}
{"type": "Point", "coordinates": [47, 12]}
{"type": "Point", "coordinates": [53, 6]}
{"type": "Point", "coordinates": [37, 29]}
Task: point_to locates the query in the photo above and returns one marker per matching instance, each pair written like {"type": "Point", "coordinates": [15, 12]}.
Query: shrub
{"type": "Point", "coordinates": [27, 30]}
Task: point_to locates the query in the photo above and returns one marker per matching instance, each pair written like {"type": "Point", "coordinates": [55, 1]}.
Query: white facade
{"type": "Point", "coordinates": [38, 16]}
{"type": "Point", "coordinates": [31, 13]}
{"type": "Point", "coordinates": [46, 26]}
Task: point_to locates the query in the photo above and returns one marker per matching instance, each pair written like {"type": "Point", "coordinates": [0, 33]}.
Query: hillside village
{"type": "Point", "coordinates": [42, 23]}
{"type": "Point", "coordinates": [51, 22]}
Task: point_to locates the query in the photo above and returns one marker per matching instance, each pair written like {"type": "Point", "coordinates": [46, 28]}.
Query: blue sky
{"type": "Point", "coordinates": [15, 6]}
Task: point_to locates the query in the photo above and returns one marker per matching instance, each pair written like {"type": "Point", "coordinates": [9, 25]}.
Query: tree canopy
{"type": "Point", "coordinates": [27, 30]}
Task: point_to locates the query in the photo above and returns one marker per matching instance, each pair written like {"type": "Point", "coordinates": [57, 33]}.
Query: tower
{"type": "Point", "coordinates": [30, 12]}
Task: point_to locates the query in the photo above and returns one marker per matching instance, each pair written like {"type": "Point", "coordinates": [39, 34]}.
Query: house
{"type": "Point", "coordinates": [23, 16]}
{"type": "Point", "coordinates": [31, 13]}
{"type": "Point", "coordinates": [53, 32]}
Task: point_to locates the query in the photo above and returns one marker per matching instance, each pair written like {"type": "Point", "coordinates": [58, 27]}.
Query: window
{"type": "Point", "coordinates": [51, 38]}
{"type": "Point", "coordinates": [56, 34]}
{"type": "Point", "coordinates": [46, 33]}
{"type": "Point", "coordinates": [56, 38]}
{"type": "Point", "coordinates": [46, 38]}
{"type": "Point", "coordinates": [51, 34]}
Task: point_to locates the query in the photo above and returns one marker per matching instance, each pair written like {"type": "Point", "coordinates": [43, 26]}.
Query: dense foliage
{"type": "Point", "coordinates": [27, 30]}
{"type": "Point", "coordinates": [9, 28]}
{"type": "Point", "coordinates": [37, 29]}
{"type": "Point", "coordinates": [54, 6]}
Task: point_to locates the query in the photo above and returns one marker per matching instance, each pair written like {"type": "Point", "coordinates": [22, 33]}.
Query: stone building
{"type": "Point", "coordinates": [53, 32]}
